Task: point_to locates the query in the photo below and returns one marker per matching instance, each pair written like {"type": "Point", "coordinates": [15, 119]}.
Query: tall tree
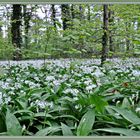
{"type": "Point", "coordinates": [27, 17]}
{"type": "Point", "coordinates": [111, 21]}
{"type": "Point", "coordinates": [72, 11]}
{"type": "Point", "coordinates": [53, 15]}
{"type": "Point", "coordinates": [89, 12]}
{"type": "Point", "coordinates": [127, 36]}
{"type": "Point", "coordinates": [65, 16]}
{"type": "Point", "coordinates": [81, 12]}
{"type": "Point", "coordinates": [105, 34]}
{"type": "Point", "coordinates": [16, 31]}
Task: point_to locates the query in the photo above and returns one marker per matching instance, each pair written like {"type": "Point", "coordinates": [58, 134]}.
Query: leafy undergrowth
{"type": "Point", "coordinates": [70, 100]}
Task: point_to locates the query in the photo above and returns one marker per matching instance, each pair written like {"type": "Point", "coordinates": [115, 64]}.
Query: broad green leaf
{"type": "Point", "coordinates": [13, 126]}
{"type": "Point", "coordinates": [47, 131]}
{"type": "Point", "coordinates": [98, 101]}
{"type": "Point", "coordinates": [43, 114]}
{"type": "Point", "coordinates": [57, 109]}
{"type": "Point", "coordinates": [127, 114]}
{"type": "Point", "coordinates": [66, 116]}
{"type": "Point", "coordinates": [36, 92]}
{"type": "Point", "coordinates": [86, 123]}
{"type": "Point", "coordinates": [66, 130]}
{"type": "Point", "coordinates": [23, 111]}
{"type": "Point", "coordinates": [21, 104]}
{"type": "Point", "coordinates": [126, 103]}
{"type": "Point", "coordinates": [126, 132]}
{"type": "Point", "coordinates": [114, 96]}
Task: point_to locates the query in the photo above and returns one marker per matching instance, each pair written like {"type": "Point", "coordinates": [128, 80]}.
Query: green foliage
{"type": "Point", "coordinates": [12, 124]}
{"type": "Point", "coordinates": [86, 123]}
{"type": "Point", "coordinates": [66, 130]}
{"type": "Point", "coordinates": [6, 49]}
{"type": "Point", "coordinates": [82, 38]}
{"type": "Point", "coordinates": [77, 98]}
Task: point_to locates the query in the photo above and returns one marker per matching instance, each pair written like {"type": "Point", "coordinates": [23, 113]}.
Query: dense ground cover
{"type": "Point", "coordinates": [70, 97]}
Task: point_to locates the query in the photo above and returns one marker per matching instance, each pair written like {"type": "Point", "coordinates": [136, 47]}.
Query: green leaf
{"type": "Point", "coordinates": [43, 114]}
{"type": "Point", "coordinates": [66, 116]}
{"type": "Point", "coordinates": [127, 114]}
{"type": "Point", "coordinates": [36, 92]}
{"type": "Point", "coordinates": [13, 126]}
{"type": "Point", "coordinates": [98, 102]}
{"type": "Point", "coordinates": [57, 109]}
{"type": "Point", "coordinates": [86, 123]}
{"type": "Point", "coordinates": [66, 130]}
{"type": "Point", "coordinates": [126, 103]}
{"type": "Point", "coordinates": [47, 131]}
{"type": "Point", "coordinates": [23, 111]}
{"type": "Point", "coordinates": [21, 104]}
{"type": "Point", "coordinates": [126, 132]}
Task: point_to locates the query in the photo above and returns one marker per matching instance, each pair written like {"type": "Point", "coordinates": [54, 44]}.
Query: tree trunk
{"type": "Point", "coordinates": [81, 12]}
{"type": "Point", "coordinates": [88, 16]}
{"type": "Point", "coordinates": [111, 20]}
{"type": "Point", "coordinates": [53, 15]}
{"type": "Point", "coordinates": [1, 34]}
{"type": "Point", "coordinates": [65, 15]}
{"type": "Point", "coordinates": [127, 37]}
{"type": "Point", "coordinates": [16, 32]}
{"type": "Point", "coordinates": [27, 18]}
{"type": "Point", "coordinates": [72, 12]}
{"type": "Point", "coordinates": [105, 34]}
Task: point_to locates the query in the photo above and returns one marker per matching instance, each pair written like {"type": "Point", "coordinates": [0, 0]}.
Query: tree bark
{"type": "Point", "coordinates": [89, 12]}
{"type": "Point", "coordinates": [27, 17]}
{"type": "Point", "coordinates": [127, 37]}
{"type": "Point", "coordinates": [53, 16]}
{"type": "Point", "coordinates": [111, 20]}
{"type": "Point", "coordinates": [65, 15]}
{"type": "Point", "coordinates": [81, 12]}
{"type": "Point", "coordinates": [105, 34]}
{"type": "Point", "coordinates": [72, 12]}
{"type": "Point", "coordinates": [16, 31]}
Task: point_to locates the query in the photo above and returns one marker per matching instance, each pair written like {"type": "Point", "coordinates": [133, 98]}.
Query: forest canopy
{"type": "Point", "coordinates": [69, 31]}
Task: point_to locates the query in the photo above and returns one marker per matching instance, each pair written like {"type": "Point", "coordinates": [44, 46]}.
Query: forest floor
{"type": "Point", "coordinates": [40, 62]}
{"type": "Point", "coordinates": [70, 97]}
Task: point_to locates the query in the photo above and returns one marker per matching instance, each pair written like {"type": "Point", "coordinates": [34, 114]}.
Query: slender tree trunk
{"type": "Point", "coordinates": [53, 16]}
{"type": "Point", "coordinates": [138, 25]}
{"type": "Point", "coordinates": [89, 12]}
{"type": "Point", "coordinates": [16, 31]}
{"type": "Point", "coordinates": [65, 15]}
{"type": "Point", "coordinates": [111, 20]}
{"type": "Point", "coordinates": [1, 34]}
{"type": "Point", "coordinates": [36, 24]}
{"type": "Point", "coordinates": [72, 12]}
{"type": "Point", "coordinates": [127, 37]}
{"type": "Point", "coordinates": [27, 18]}
{"type": "Point", "coordinates": [105, 34]}
{"type": "Point", "coordinates": [81, 12]}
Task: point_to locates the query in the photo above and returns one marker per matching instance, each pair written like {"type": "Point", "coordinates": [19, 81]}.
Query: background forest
{"type": "Point", "coordinates": [54, 94]}
{"type": "Point", "coordinates": [69, 31]}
